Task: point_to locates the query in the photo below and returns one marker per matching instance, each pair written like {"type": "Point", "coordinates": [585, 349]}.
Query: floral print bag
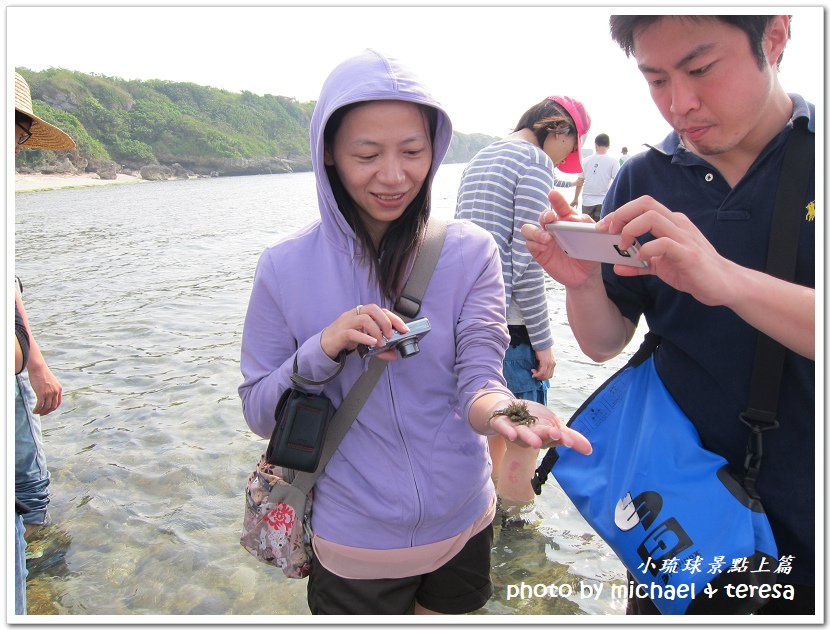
{"type": "Point", "coordinates": [277, 524]}
{"type": "Point", "coordinates": [276, 528]}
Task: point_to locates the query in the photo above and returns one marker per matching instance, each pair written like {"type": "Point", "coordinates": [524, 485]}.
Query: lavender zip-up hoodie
{"type": "Point", "coordinates": [411, 470]}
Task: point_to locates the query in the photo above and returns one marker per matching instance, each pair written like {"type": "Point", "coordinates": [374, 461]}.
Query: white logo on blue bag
{"type": "Point", "coordinates": [666, 540]}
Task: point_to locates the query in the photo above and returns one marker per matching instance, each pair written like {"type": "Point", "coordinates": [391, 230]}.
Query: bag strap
{"type": "Point", "coordinates": [298, 381]}
{"type": "Point", "coordinates": [646, 349]}
{"type": "Point", "coordinates": [761, 413]}
{"type": "Point", "coordinates": [408, 304]}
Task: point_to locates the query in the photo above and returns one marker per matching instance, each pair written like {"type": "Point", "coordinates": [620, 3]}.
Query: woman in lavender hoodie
{"type": "Point", "coordinates": [402, 513]}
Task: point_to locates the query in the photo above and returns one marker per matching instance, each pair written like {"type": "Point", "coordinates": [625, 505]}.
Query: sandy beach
{"type": "Point", "coordinates": [38, 181]}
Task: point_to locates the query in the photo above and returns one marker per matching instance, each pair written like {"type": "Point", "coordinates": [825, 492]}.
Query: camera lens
{"type": "Point", "coordinates": [409, 347]}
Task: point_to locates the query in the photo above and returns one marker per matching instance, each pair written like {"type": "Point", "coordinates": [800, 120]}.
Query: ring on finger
{"type": "Point", "coordinates": [357, 310]}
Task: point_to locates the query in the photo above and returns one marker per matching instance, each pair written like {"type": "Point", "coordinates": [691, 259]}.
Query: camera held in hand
{"type": "Point", "coordinates": [405, 343]}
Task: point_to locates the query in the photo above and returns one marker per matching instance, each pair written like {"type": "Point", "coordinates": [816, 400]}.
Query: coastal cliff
{"type": "Point", "coordinates": [164, 130]}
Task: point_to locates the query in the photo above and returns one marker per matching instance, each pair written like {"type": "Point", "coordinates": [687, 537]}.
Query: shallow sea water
{"type": "Point", "coordinates": [137, 296]}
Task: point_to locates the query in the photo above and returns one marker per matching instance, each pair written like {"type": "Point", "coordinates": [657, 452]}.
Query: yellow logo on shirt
{"type": "Point", "coordinates": [811, 211]}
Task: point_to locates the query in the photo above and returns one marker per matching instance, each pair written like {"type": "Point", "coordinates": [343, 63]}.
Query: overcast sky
{"type": "Point", "coordinates": [487, 65]}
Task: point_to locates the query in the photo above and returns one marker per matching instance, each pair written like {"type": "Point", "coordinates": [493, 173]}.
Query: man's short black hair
{"type": "Point", "coordinates": [623, 28]}
{"type": "Point", "coordinates": [602, 140]}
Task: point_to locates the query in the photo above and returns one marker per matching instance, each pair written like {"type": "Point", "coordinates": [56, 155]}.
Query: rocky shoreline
{"type": "Point", "coordinates": [32, 182]}
{"type": "Point", "coordinates": [68, 173]}
{"type": "Point", "coordinates": [71, 165]}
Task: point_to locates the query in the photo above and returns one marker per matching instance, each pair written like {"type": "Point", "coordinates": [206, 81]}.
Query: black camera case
{"type": "Point", "coordinates": [300, 431]}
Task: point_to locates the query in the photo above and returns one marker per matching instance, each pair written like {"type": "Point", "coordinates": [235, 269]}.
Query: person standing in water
{"type": "Point", "coordinates": [403, 511]}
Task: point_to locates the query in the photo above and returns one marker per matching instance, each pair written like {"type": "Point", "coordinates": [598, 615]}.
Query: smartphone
{"type": "Point", "coordinates": [581, 240]}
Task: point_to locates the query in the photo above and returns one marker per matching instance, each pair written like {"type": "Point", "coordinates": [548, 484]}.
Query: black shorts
{"type": "Point", "coordinates": [460, 586]}
{"type": "Point", "coordinates": [593, 211]}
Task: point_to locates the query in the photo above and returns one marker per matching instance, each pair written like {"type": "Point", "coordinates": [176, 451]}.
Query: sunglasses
{"type": "Point", "coordinates": [27, 133]}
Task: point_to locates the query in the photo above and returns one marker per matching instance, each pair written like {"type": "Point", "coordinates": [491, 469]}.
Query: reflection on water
{"type": "Point", "coordinates": [137, 295]}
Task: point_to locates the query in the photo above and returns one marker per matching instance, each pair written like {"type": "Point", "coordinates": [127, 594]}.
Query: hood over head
{"type": "Point", "coordinates": [369, 76]}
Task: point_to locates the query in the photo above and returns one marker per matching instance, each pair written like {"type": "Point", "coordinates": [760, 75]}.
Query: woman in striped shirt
{"type": "Point", "coordinates": [503, 187]}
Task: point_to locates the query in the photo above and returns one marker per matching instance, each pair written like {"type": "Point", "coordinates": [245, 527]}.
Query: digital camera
{"type": "Point", "coordinates": [405, 343]}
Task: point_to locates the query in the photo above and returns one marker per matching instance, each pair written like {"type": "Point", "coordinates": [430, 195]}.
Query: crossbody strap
{"type": "Point", "coordinates": [761, 413]}
{"type": "Point", "coordinates": [409, 302]}
{"type": "Point", "coordinates": [408, 305]}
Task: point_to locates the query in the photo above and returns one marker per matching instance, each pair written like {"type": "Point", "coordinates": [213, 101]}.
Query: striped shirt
{"type": "Point", "coordinates": [503, 187]}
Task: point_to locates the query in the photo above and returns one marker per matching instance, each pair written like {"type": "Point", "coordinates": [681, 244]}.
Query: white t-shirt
{"type": "Point", "coordinates": [599, 170]}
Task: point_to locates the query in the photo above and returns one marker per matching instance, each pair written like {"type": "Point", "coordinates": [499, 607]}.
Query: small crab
{"type": "Point", "coordinates": [516, 412]}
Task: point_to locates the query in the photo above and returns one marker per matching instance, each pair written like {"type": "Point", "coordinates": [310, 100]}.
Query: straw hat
{"type": "Point", "coordinates": [44, 135]}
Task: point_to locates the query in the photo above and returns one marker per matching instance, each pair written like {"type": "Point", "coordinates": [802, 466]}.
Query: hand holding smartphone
{"type": "Point", "coordinates": [582, 241]}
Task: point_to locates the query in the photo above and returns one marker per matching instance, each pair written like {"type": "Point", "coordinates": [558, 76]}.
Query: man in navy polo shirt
{"type": "Point", "coordinates": [701, 202]}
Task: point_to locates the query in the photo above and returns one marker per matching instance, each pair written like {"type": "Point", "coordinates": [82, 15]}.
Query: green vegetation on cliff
{"type": "Point", "coordinates": [204, 129]}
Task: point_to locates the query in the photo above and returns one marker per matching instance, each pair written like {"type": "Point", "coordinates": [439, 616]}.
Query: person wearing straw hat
{"type": "Point", "coordinates": [31, 474]}
{"type": "Point", "coordinates": [32, 132]}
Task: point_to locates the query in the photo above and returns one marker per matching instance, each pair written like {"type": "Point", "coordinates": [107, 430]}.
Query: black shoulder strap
{"type": "Point", "coordinates": [761, 413]}
{"type": "Point", "coordinates": [646, 349]}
